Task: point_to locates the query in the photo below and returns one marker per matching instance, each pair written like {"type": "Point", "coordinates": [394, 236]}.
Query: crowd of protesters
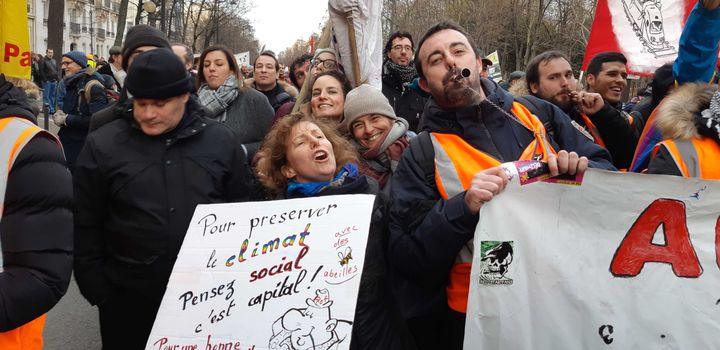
{"type": "Point", "coordinates": [146, 138]}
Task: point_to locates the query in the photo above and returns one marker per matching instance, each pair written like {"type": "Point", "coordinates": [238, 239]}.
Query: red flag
{"type": "Point", "coordinates": [647, 32]}
{"type": "Point", "coordinates": [312, 44]}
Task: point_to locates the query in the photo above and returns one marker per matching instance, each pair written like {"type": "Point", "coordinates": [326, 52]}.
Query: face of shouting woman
{"type": "Point", "coordinates": [309, 155]}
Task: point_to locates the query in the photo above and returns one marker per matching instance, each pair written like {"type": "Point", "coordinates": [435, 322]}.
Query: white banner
{"type": "Point", "coordinates": [267, 275]}
{"type": "Point", "coordinates": [624, 261]}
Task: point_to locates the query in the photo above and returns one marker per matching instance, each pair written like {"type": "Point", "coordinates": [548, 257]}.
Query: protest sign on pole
{"type": "Point", "coordinates": [624, 261]}
{"type": "Point", "coordinates": [647, 32]}
{"type": "Point", "coordinates": [494, 72]}
{"type": "Point", "coordinates": [15, 60]}
{"type": "Point", "coordinates": [242, 58]}
{"type": "Point", "coordinates": [272, 275]}
{"type": "Point", "coordinates": [357, 39]}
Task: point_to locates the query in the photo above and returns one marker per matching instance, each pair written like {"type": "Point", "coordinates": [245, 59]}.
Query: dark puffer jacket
{"type": "Point", "coordinates": [36, 226]}
{"type": "Point", "coordinates": [378, 324]}
{"type": "Point", "coordinates": [406, 102]}
{"type": "Point", "coordinates": [135, 195]}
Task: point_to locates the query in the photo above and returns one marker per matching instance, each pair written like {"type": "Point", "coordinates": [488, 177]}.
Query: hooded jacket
{"type": "Point", "coordinates": [36, 225]}
{"type": "Point", "coordinates": [677, 118]}
{"type": "Point", "coordinates": [426, 231]}
{"type": "Point", "coordinates": [135, 195]}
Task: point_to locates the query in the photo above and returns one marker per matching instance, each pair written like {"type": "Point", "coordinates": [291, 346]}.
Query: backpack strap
{"type": "Point", "coordinates": [423, 153]}
{"type": "Point", "coordinates": [538, 108]}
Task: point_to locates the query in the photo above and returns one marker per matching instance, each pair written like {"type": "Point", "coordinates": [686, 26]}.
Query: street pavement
{"type": "Point", "coordinates": [73, 323]}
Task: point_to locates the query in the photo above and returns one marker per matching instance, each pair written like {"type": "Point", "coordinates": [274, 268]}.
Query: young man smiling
{"type": "Point", "coordinates": [607, 76]}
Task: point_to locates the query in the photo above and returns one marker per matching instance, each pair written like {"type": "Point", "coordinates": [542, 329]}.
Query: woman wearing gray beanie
{"type": "Point", "coordinates": [378, 134]}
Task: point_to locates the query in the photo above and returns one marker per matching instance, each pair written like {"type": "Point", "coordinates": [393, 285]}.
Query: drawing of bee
{"type": "Point", "coordinates": [345, 258]}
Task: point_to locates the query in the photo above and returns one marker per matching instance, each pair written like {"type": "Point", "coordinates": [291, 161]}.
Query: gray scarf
{"type": "Point", "coordinates": [381, 162]}
{"type": "Point", "coordinates": [217, 101]}
{"type": "Point", "coordinates": [711, 116]}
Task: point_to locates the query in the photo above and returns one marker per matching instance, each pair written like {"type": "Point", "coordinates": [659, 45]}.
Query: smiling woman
{"type": "Point", "coordinates": [378, 134]}
{"type": "Point", "coordinates": [328, 95]}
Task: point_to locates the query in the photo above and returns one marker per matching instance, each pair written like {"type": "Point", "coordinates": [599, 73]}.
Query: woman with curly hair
{"type": "Point", "coordinates": [303, 157]}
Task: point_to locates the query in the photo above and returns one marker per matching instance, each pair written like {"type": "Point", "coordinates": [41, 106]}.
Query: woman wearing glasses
{"type": "Point", "coordinates": [324, 60]}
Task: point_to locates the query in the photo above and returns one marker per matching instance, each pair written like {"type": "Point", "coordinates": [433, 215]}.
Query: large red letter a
{"type": "Point", "coordinates": [637, 248]}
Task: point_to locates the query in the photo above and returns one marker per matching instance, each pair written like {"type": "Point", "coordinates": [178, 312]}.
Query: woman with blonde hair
{"type": "Point", "coordinates": [302, 157]}
{"type": "Point", "coordinates": [246, 111]}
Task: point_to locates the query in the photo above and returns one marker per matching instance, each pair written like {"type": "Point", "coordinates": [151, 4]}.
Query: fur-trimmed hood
{"type": "Point", "coordinates": [291, 90]}
{"type": "Point", "coordinates": [677, 113]}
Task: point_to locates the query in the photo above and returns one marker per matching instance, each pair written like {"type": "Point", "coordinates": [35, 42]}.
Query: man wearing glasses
{"type": "Point", "coordinates": [399, 77]}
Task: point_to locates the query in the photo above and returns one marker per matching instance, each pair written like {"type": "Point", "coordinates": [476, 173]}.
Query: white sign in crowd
{"type": "Point", "coordinates": [624, 261]}
{"type": "Point", "coordinates": [269, 275]}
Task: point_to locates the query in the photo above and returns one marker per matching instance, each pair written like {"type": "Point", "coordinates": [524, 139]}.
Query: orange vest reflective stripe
{"type": "Point", "coordinates": [593, 130]}
{"type": "Point", "coordinates": [695, 158]}
{"type": "Point", "coordinates": [456, 162]}
{"type": "Point", "coordinates": [15, 133]}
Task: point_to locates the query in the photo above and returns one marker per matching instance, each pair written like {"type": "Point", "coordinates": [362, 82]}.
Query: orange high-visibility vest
{"type": "Point", "coordinates": [593, 130]}
{"type": "Point", "coordinates": [698, 157]}
{"type": "Point", "coordinates": [456, 162]}
{"type": "Point", "coordinates": [15, 133]}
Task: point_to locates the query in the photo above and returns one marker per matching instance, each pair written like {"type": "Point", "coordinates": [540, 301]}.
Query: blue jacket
{"type": "Point", "coordinates": [426, 231]}
{"type": "Point", "coordinates": [698, 51]}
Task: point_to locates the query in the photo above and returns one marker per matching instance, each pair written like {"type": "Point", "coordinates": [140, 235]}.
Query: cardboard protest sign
{"type": "Point", "coordinates": [270, 275]}
{"type": "Point", "coordinates": [494, 71]}
{"type": "Point", "coordinates": [623, 261]}
{"type": "Point", "coordinates": [647, 32]}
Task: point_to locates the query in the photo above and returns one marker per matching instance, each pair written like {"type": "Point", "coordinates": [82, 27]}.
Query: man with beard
{"type": "Point", "coordinates": [397, 79]}
{"type": "Point", "coordinates": [550, 77]}
{"type": "Point", "coordinates": [447, 174]}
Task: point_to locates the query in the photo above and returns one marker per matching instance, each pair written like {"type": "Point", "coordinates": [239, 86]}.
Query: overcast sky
{"type": "Point", "coordinates": [279, 23]}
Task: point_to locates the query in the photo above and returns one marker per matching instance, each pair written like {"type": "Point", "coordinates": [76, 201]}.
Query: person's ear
{"type": "Point", "coordinates": [288, 171]}
{"type": "Point", "coordinates": [590, 79]}
{"type": "Point", "coordinates": [423, 84]}
{"type": "Point", "coordinates": [534, 88]}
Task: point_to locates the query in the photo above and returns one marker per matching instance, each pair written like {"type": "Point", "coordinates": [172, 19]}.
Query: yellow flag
{"type": "Point", "coordinates": [15, 60]}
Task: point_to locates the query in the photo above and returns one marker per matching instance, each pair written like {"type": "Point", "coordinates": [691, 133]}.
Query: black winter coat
{"type": "Point", "coordinates": [378, 324]}
{"type": "Point", "coordinates": [135, 195]}
{"type": "Point", "coordinates": [36, 226]}
{"type": "Point", "coordinates": [406, 102]}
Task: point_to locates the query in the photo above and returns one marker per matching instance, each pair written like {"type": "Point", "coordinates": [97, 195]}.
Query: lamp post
{"type": "Point", "coordinates": [92, 32]}
{"type": "Point", "coordinates": [150, 8]}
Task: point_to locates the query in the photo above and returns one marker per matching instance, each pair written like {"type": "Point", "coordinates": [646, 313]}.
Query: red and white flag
{"type": "Point", "coordinates": [647, 32]}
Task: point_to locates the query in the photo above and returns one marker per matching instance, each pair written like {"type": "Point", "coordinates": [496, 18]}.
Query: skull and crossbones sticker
{"type": "Point", "coordinates": [496, 257]}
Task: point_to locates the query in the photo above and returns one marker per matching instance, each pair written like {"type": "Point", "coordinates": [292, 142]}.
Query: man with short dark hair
{"type": "Point", "coordinates": [50, 76]}
{"type": "Point", "coordinates": [137, 183]}
{"type": "Point", "coordinates": [397, 79]}
{"type": "Point", "coordinates": [115, 69]}
{"type": "Point", "coordinates": [606, 75]}
{"type": "Point", "coordinates": [186, 55]}
{"type": "Point", "coordinates": [447, 174]}
{"type": "Point", "coordinates": [299, 70]}
{"type": "Point", "coordinates": [265, 79]}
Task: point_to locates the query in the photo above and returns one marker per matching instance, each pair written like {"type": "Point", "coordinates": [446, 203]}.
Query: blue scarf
{"type": "Point", "coordinates": [309, 189]}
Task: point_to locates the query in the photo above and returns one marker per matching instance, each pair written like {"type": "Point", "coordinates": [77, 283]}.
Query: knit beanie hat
{"type": "Point", "coordinates": [78, 57]}
{"type": "Point", "coordinates": [327, 49]}
{"type": "Point", "coordinates": [142, 35]}
{"type": "Point", "coordinates": [364, 100]}
{"type": "Point", "coordinates": [158, 74]}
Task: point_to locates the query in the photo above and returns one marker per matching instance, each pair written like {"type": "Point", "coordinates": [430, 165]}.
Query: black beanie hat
{"type": "Point", "coordinates": [142, 35]}
{"type": "Point", "coordinates": [158, 74]}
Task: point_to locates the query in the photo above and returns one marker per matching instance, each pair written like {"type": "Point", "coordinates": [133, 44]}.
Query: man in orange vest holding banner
{"type": "Point", "coordinates": [452, 168]}
{"type": "Point", "coordinates": [36, 222]}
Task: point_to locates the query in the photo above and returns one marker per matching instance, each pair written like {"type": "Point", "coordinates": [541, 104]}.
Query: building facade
{"type": "Point", "coordinates": [89, 25]}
